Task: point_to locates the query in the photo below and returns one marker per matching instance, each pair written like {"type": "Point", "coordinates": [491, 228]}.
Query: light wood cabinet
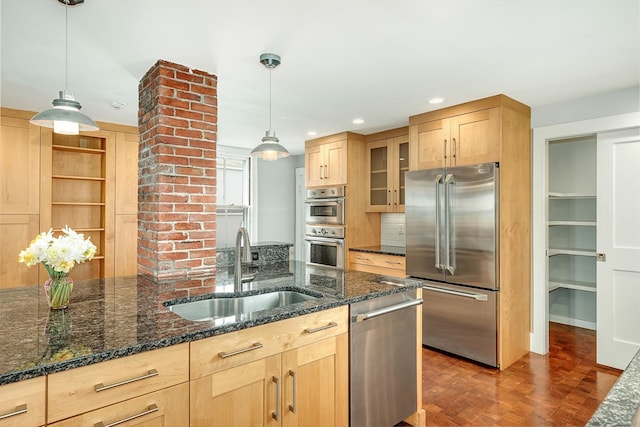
{"type": "Point", "coordinates": [165, 408]}
{"type": "Point", "coordinates": [388, 265]}
{"type": "Point", "coordinates": [326, 163]}
{"type": "Point", "coordinates": [387, 161]}
{"type": "Point", "coordinates": [283, 373]}
{"type": "Point", "coordinates": [460, 140]}
{"type": "Point", "coordinates": [115, 381]}
{"type": "Point", "coordinates": [23, 403]}
{"type": "Point", "coordinates": [19, 196]}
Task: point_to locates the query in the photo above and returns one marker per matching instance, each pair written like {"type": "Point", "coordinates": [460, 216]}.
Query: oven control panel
{"type": "Point", "coordinates": [325, 193]}
{"type": "Point", "coordinates": [325, 231]}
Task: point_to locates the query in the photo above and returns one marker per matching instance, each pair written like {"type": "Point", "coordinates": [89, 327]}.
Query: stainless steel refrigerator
{"type": "Point", "coordinates": [452, 218]}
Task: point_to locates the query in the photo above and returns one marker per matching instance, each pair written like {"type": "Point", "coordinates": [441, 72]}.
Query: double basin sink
{"type": "Point", "coordinates": [221, 307]}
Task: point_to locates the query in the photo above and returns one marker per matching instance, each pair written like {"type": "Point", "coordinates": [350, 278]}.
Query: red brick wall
{"type": "Point", "coordinates": [177, 121]}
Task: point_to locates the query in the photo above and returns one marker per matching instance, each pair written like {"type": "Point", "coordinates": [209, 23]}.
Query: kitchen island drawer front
{"type": "Point", "coordinates": [164, 408]}
{"type": "Point", "coordinates": [90, 387]}
{"type": "Point", "coordinates": [22, 403]}
{"type": "Point", "coordinates": [390, 265]}
{"type": "Point", "coordinates": [222, 352]}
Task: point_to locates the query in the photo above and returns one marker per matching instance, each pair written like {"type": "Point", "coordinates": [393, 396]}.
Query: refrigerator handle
{"type": "Point", "coordinates": [449, 250]}
{"type": "Point", "coordinates": [438, 181]}
{"type": "Point", "coordinates": [477, 297]}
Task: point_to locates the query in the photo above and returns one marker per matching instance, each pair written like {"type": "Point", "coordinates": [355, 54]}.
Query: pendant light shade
{"type": "Point", "coordinates": [65, 116]}
{"type": "Point", "coordinates": [270, 149]}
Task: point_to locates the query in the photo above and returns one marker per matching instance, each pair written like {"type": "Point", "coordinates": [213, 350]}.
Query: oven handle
{"type": "Point", "coordinates": [323, 201]}
{"type": "Point", "coordinates": [339, 242]}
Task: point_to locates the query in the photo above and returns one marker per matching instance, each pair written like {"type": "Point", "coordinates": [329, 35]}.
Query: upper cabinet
{"type": "Point", "coordinates": [387, 160]}
{"type": "Point", "coordinates": [326, 162]}
{"type": "Point", "coordinates": [464, 134]}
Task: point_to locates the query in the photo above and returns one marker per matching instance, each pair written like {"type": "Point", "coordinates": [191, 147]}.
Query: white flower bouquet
{"type": "Point", "coordinates": [58, 255]}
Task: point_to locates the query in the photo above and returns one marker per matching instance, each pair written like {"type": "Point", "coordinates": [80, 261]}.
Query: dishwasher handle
{"type": "Point", "coordinates": [477, 297]}
{"type": "Point", "coordinates": [375, 313]}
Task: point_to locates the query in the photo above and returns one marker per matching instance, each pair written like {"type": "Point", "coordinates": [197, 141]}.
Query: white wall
{"type": "Point", "coordinates": [274, 204]}
{"type": "Point", "coordinates": [591, 107]}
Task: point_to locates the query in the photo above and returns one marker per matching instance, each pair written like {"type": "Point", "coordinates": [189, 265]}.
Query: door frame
{"type": "Point", "coordinates": [539, 337]}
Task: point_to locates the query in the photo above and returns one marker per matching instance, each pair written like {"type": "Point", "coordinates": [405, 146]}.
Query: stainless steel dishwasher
{"type": "Point", "coordinates": [382, 360]}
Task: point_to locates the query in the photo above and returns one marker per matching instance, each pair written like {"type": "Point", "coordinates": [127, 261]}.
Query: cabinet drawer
{"type": "Point", "coordinates": [390, 265]}
{"type": "Point", "coordinates": [222, 352]}
{"type": "Point", "coordinates": [90, 387]}
{"type": "Point", "coordinates": [22, 403]}
{"type": "Point", "coordinates": [168, 407]}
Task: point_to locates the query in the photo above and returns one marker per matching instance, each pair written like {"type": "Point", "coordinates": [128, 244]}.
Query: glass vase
{"type": "Point", "coordinates": [58, 290]}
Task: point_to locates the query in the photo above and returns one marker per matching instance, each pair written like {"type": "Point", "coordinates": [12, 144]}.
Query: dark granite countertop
{"type": "Point", "coordinates": [382, 249]}
{"type": "Point", "coordinates": [622, 401]}
{"type": "Point", "coordinates": [111, 318]}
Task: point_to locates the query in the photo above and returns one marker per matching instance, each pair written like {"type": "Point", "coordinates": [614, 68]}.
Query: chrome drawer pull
{"type": "Point", "coordinates": [150, 409]}
{"type": "Point", "coordinates": [20, 409]}
{"type": "Point", "coordinates": [151, 373]}
{"type": "Point", "coordinates": [363, 259]}
{"type": "Point", "coordinates": [254, 346]}
{"type": "Point", "coordinates": [393, 262]}
{"type": "Point", "coordinates": [276, 415]}
{"type": "Point", "coordinates": [321, 328]}
{"type": "Point", "coordinates": [293, 405]}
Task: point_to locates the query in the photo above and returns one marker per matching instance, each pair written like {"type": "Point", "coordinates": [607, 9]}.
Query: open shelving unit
{"type": "Point", "coordinates": [78, 194]}
{"type": "Point", "coordinates": [571, 232]}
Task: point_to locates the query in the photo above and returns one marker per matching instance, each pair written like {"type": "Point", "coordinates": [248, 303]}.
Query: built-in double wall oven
{"type": "Point", "coordinates": [325, 227]}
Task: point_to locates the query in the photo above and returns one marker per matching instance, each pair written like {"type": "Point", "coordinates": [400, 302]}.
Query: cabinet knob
{"type": "Point", "coordinates": [600, 257]}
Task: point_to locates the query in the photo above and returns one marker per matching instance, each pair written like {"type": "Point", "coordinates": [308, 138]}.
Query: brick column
{"type": "Point", "coordinates": [177, 121]}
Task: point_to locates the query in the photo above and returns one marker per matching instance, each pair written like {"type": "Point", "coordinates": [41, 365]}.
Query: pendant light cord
{"type": "Point", "coordinates": [270, 69]}
{"type": "Point", "coordinates": [66, 47]}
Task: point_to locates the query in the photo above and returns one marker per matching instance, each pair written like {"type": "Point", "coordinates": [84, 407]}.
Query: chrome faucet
{"type": "Point", "coordinates": [241, 238]}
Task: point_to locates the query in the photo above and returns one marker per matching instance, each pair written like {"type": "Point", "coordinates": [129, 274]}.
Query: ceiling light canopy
{"type": "Point", "coordinates": [65, 116]}
{"type": "Point", "coordinates": [270, 149]}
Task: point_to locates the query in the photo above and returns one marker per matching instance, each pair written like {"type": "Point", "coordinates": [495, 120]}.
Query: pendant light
{"type": "Point", "coordinates": [270, 149]}
{"type": "Point", "coordinates": [65, 116]}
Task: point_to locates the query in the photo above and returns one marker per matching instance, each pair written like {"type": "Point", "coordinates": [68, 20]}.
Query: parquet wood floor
{"type": "Point", "coordinates": [562, 388]}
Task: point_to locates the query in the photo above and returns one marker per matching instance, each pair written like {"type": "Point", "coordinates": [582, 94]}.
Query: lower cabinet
{"type": "Point", "coordinates": [23, 403]}
{"type": "Point", "coordinates": [304, 382]}
{"type": "Point", "coordinates": [118, 389]}
{"type": "Point", "coordinates": [165, 408]}
{"type": "Point", "coordinates": [388, 265]}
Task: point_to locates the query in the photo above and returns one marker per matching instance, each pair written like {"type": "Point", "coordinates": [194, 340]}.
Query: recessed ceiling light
{"type": "Point", "coordinates": [117, 105]}
{"type": "Point", "coordinates": [312, 133]}
{"type": "Point", "coordinates": [436, 101]}
{"type": "Point", "coordinates": [358, 121]}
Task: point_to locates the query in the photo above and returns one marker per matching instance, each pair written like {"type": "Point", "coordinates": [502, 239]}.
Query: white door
{"type": "Point", "coordinates": [618, 237]}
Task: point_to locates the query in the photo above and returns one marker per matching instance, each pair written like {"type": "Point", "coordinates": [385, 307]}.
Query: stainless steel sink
{"type": "Point", "coordinates": [216, 308]}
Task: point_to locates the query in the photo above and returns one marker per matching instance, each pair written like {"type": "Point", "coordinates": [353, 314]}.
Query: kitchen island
{"type": "Point", "coordinates": [109, 319]}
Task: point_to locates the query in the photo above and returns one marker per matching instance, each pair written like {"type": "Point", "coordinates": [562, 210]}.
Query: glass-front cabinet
{"type": "Point", "coordinates": [387, 162]}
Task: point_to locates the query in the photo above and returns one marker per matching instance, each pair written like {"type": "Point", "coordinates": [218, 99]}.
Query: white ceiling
{"type": "Point", "coordinates": [379, 60]}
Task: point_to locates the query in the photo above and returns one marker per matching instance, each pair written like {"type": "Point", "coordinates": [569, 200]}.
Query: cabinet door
{"type": "Point", "coordinates": [164, 408]}
{"type": "Point", "coordinates": [19, 167]}
{"type": "Point", "coordinates": [400, 161]}
{"type": "Point", "coordinates": [16, 231]}
{"type": "Point", "coordinates": [335, 163]}
{"type": "Point", "coordinates": [475, 138]}
{"type": "Point", "coordinates": [429, 144]}
{"type": "Point", "coordinates": [247, 395]}
{"type": "Point", "coordinates": [379, 174]}
{"type": "Point", "coordinates": [314, 162]}
{"type": "Point", "coordinates": [316, 390]}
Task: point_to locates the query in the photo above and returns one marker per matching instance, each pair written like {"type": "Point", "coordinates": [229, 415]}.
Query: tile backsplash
{"type": "Point", "coordinates": [392, 229]}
